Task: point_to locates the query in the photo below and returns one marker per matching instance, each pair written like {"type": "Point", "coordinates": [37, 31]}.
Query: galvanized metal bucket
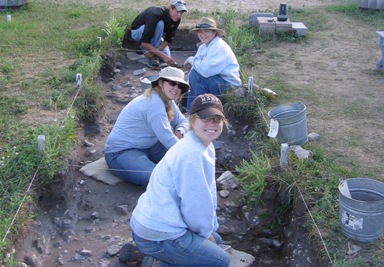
{"type": "Point", "coordinates": [361, 207]}
{"type": "Point", "coordinates": [372, 4]}
{"type": "Point", "coordinates": [12, 4]}
{"type": "Point", "coordinates": [292, 122]}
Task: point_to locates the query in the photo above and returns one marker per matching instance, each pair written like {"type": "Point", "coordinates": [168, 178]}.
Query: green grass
{"type": "Point", "coordinates": [42, 50]}
{"type": "Point", "coordinates": [316, 178]}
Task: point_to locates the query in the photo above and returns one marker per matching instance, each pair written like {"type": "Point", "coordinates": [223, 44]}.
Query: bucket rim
{"type": "Point", "coordinates": [304, 108]}
{"type": "Point", "coordinates": [357, 200]}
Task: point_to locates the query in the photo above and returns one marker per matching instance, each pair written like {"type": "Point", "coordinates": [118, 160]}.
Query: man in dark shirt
{"type": "Point", "coordinates": [154, 29]}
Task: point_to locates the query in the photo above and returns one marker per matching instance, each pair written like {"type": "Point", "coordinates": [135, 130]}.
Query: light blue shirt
{"type": "Point", "coordinates": [181, 194]}
{"type": "Point", "coordinates": [217, 59]}
{"type": "Point", "coordinates": [143, 122]}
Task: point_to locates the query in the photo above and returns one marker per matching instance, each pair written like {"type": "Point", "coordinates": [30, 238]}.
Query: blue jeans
{"type": "Point", "coordinates": [200, 85]}
{"type": "Point", "coordinates": [156, 39]}
{"type": "Point", "coordinates": [187, 250]}
{"type": "Point", "coordinates": [135, 165]}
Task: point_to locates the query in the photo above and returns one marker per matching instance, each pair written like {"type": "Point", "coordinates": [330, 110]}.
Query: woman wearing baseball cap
{"type": "Point", "coordinates": [146, 128]}
{"type": "Point", "coordinates": [175, 222]}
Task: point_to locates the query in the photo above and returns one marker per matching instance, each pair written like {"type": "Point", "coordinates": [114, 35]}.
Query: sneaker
{"type": "Point", "coordinates": [154, 62]}
{"type": "Point", "coordinates": [129, 253]}
{"type": "Point", "coordinates": [150, 261]}
{"type": "Point", "coordinates": [162, 63]}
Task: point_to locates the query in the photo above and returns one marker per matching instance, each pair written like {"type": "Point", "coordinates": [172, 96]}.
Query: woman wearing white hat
{"type": "Point", "coordinates": [146, 128]}
{"type": "Point", "coordinates": [214, 67]}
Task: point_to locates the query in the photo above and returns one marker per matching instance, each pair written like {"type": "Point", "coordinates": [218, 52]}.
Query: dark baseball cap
{"type": "Point", "coordinates": [207, 105]}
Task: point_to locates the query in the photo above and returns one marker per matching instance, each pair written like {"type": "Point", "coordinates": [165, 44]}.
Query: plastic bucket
{"type": "Point", "coordinates": [361, 209]}
{"type": "Point", "coordinates": [292, 121]}
{"type": "Point", "coordinates": [146, 81]}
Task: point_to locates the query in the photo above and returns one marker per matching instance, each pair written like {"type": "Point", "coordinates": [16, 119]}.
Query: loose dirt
{"type": "Point", "coordinates": [83, 222]}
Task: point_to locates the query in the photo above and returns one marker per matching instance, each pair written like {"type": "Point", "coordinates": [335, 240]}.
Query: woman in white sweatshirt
{"type": "Point", "coordinates": [175, 222]}
{"type": "Point", "coordinates": [214, 67]}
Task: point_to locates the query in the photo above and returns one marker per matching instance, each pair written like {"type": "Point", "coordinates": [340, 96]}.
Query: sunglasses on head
{"type": "Point", "coordinates": [173, 83]}
{"type": "Point", "coordinates": [203, 26]}
{"type": "Point", "coordinates": [179, 2]}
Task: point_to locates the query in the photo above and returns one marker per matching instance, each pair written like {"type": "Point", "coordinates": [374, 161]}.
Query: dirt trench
{"type": "Point", "coordinates": [84, 222]}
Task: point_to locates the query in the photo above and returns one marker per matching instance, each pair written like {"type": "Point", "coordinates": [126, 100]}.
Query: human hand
{"type": "Point", "coordinates": [178, 134]}
{"type": "Point", "coordinates": [168, 60]}
{"type": "Point", "coordinates": [148, 54]}
{"type": "Point", "coordinates": [211, 238]}
{"type": "Point", "coordinates": [187, 66]}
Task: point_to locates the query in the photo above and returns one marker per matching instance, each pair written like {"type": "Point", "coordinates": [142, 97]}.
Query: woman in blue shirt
{"type": "Point", "coordinates": [175, 222]}
{"type": "Point", "coordinates": [146, 128]}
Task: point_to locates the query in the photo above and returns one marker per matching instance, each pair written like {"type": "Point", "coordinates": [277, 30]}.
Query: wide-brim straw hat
{"type": "Point", "coordinates": [173, 74]}
{"type": "Point", "coordinates": [207, 24]}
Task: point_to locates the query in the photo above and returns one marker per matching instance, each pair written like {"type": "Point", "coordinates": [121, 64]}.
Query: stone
{"type": "Point", "coordinates": [253, 17]}
{"type": "Point", "coordinates": [300, 152]}
{"type": "Point", "coordinates": [94, 215]}
{"type": "Point", "coordinates": [312, 137]}
{"type": "Point", "coordinates": [122, 209]}
{"type": "Point", "coordinates": [240, 258]}
{"type": "Point", "coordinates": [224, 193]}
{"type": "Point", "coordinates": [300, 28]}
{"type": "Point", "coordinates": [32, 261]}
{"type": "Point", "coordinates": [89, 229]}
{"type": "Point", "coordinates": [113, 250]}
{"type": "Point", "coordinates": [86, 253]}
{"type": "Point", "coordinates": [78, 258]}
{"type": "Point", "coordinates": [283, 26]}
{"type": "Point", "coordinates": [266, 25]}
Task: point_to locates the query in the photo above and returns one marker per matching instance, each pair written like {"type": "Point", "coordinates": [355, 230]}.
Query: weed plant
{"type": "Point", "coordinates": [252, 176]}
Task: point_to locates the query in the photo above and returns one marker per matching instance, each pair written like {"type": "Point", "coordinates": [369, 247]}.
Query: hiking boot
{"type": "Point", "coordinates": [150, 261]}
{"type": "Point", "coordinates": [162, 63]}
{"type": "Point", "coordinates": [154, 62]}
{"type": "Point", "coordinates": [130, 254]}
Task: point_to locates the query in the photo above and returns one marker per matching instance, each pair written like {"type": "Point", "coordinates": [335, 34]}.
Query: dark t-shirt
{"type": "Point", "coordinates": [150, 17]}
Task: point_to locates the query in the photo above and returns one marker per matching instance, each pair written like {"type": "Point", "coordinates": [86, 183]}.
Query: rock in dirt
{"type": "Point", "coordinates": [240, 259]}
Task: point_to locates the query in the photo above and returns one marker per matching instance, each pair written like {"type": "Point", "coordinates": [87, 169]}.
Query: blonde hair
{"type": "Point", "coordinates": [164, 98]}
